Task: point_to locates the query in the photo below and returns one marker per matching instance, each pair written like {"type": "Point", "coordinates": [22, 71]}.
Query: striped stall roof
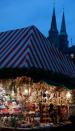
{"type": "Point", "coordinates": [28, 47]}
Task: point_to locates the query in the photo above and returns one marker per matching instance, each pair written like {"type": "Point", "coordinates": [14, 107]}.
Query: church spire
{"type": "Point", "coordinates": [53, 23]}
{"type": "Point", "coordinates": [63, 26]}
{"type": "Point", "coordinates": [53, 32]}
{"type": "Point", "coordinates": [63, 38]}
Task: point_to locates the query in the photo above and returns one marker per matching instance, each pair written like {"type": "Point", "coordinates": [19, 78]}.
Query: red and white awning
{"type": "Point", "coordinates": [27, 48]}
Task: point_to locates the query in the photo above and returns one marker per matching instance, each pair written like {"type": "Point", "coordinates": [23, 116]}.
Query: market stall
{"type": "Point", "coordinates": [33, 75]}
{"type": "Point", "coordinates": [24, 103]}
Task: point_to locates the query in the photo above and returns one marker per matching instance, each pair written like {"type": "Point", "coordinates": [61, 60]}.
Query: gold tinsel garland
{"type": "Point", "coordinates": [22, 80]}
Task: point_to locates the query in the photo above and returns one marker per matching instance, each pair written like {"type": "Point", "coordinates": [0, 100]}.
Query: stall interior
{"type": "Point", "coordinates": [24, 103]}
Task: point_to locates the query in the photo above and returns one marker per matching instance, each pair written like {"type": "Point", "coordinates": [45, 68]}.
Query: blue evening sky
{"type": "Point", "coordinates": [22, 13]}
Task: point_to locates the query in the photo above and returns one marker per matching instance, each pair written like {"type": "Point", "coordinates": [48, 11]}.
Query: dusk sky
{"type": "Point", "coordinates": [22, 13]}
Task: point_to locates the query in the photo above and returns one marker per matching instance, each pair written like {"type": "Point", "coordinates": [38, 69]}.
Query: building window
{"type": "Point", "coordinates": [72, 55]}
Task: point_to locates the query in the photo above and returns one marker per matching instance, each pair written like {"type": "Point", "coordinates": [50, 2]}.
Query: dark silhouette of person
{"type": "Point", "coordinates": [52, 113]}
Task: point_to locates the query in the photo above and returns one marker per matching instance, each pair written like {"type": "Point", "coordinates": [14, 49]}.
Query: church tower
{"type": "Point", "coordinates": [63, 38]}
{"type": "Point", "coordinates": [53, 32]}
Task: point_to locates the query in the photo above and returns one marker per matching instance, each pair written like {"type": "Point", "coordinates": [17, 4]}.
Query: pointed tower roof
{"type": "Point", "coordinates": [63, 26]}
{"type": "Point", "coordinates": [53, 32]}
{"type": "Point", "coordinates": [53, 22]}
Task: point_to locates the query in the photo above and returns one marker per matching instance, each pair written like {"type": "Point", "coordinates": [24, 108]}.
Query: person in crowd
{"type": "Point", "coordinates": [52, 113]}
{"type": "Point", "coordinates": [37, 115]}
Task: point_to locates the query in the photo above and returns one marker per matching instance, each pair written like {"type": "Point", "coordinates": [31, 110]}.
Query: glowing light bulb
{"type": "Point", "coordinates": [68, 95]}
{"type": "Point", "coordinates": [12, 93]}
{"type": "Point", "coordinates": [26, 92]}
